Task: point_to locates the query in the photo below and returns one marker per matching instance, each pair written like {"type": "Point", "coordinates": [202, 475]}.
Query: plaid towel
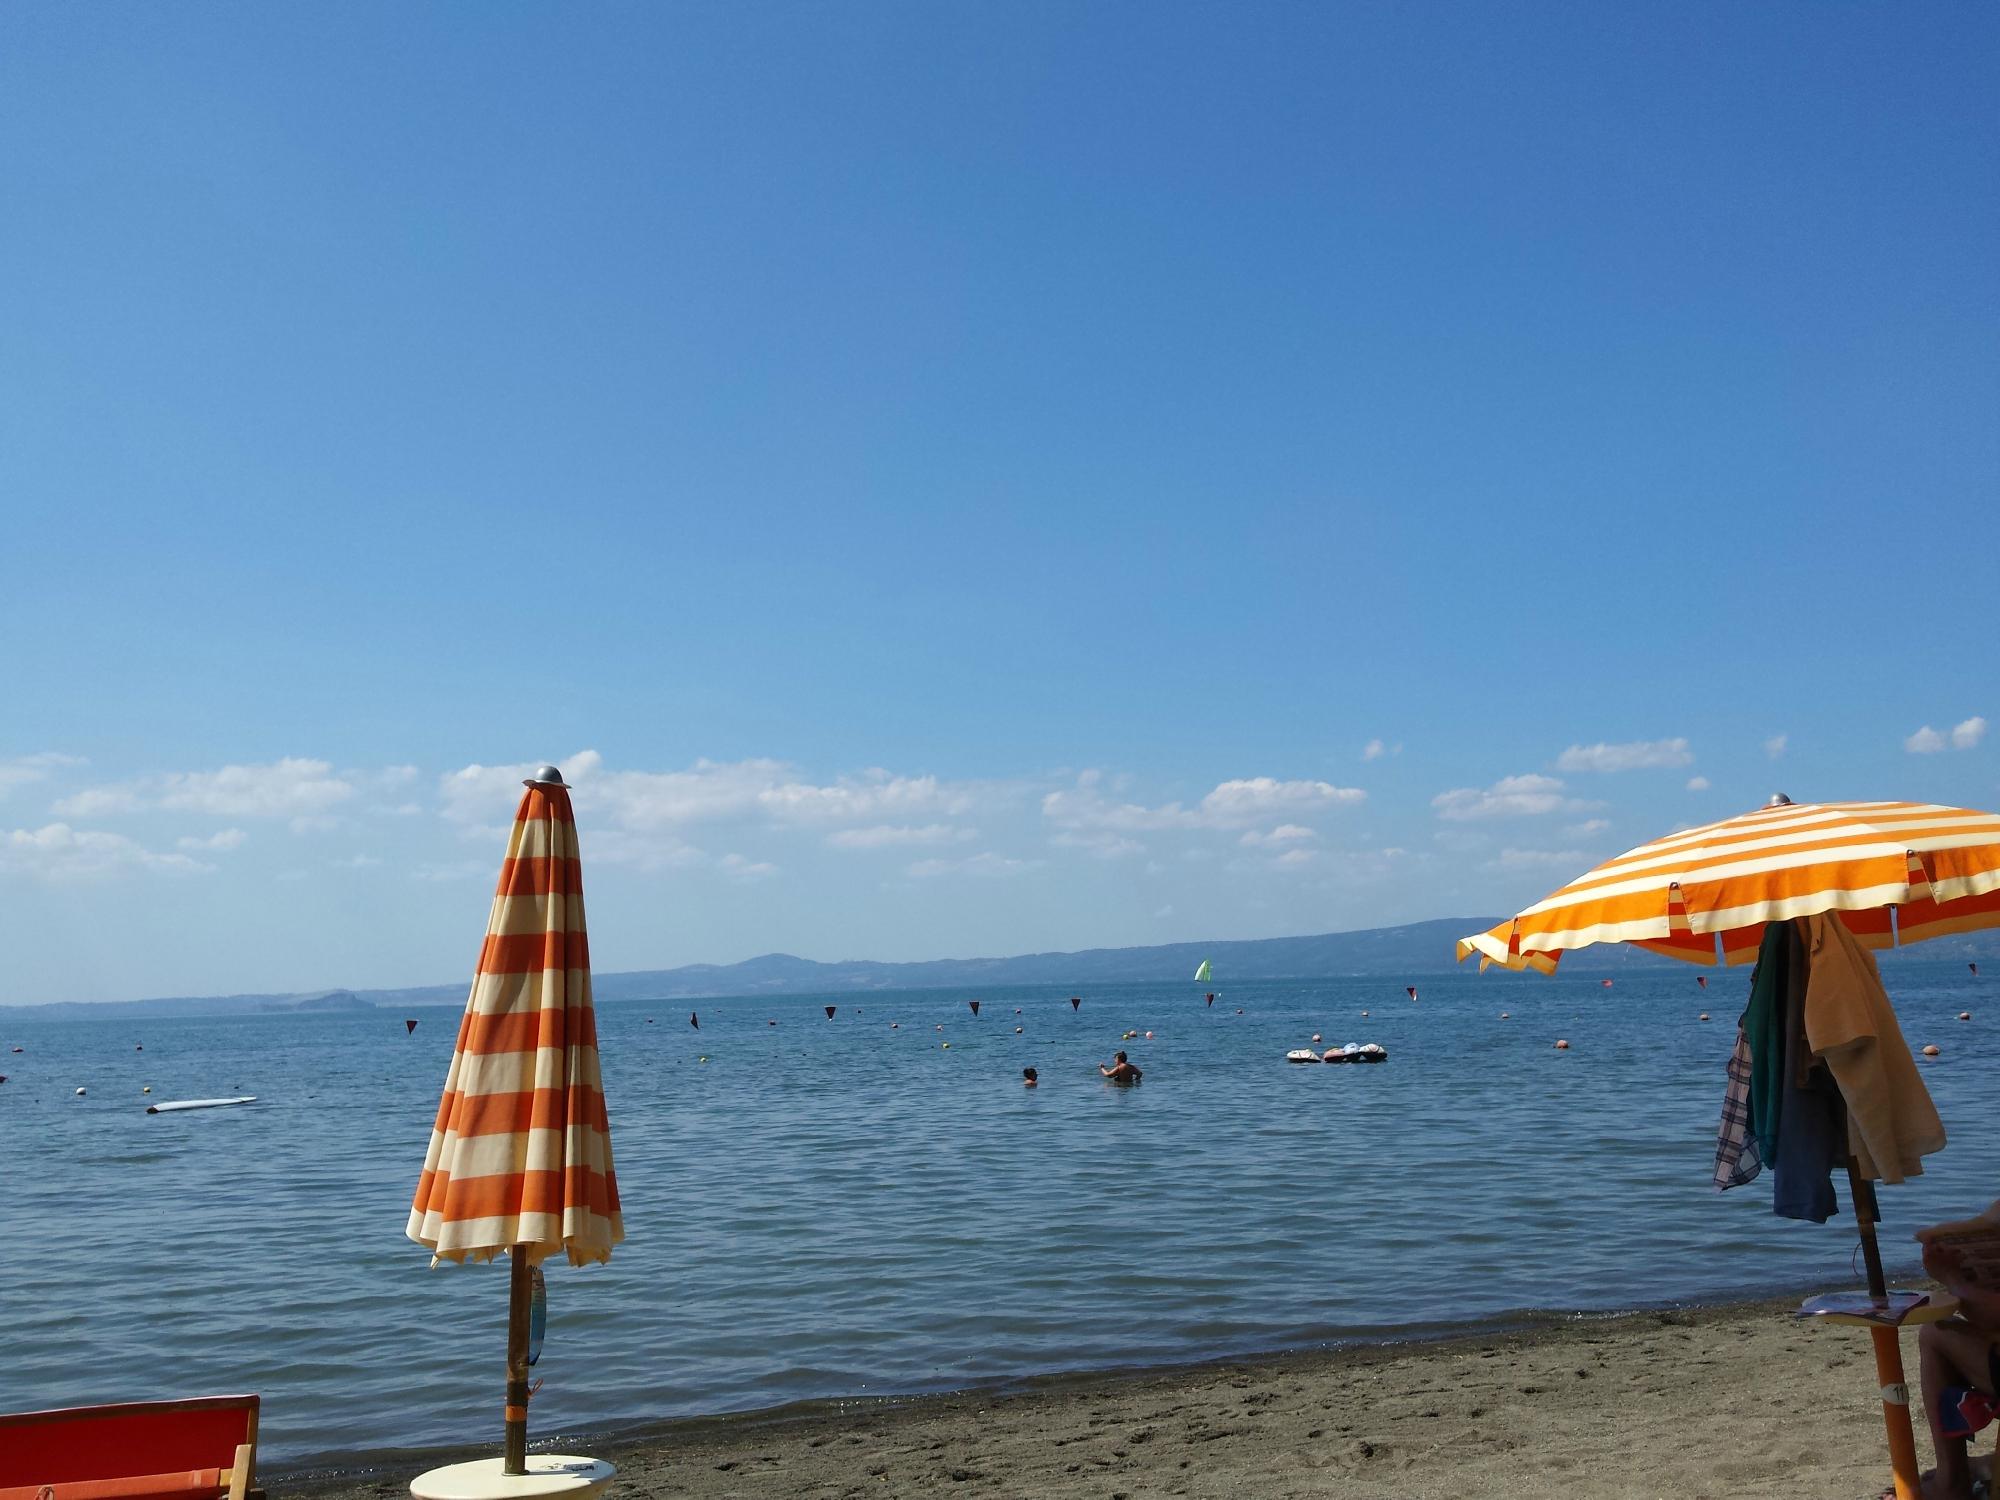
{"type": "Point", "coordinates": [1737, 1159]}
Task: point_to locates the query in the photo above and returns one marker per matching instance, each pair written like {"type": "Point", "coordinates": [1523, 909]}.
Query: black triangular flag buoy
{"type": "Point", "coordinates": [694, 1020]}
{"type": "Point", "coordinates": [1211, 999]}
{"type": "Point", "coordinates": [975, 1006]}
{"type": "Point", "coordinates": [830, 1010]}
{"type": "Point", "coordinates": [408, 1027]}
{"type": "Point", "coordinates": [1075, 1001]}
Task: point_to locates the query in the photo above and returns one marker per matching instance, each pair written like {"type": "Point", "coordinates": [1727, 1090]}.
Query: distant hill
{"type": "Point", "coordinates": [1416, 949]}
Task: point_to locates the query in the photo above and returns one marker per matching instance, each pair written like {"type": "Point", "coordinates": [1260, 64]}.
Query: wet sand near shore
{"type": "Point", "coordinates": [1739, 1401]}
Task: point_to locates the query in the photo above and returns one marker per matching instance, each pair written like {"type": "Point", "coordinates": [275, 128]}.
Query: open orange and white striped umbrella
{"type": "Point", "coordinates": [1895, 871]}
{"type": "Point", "coordinates": [521, 1152]}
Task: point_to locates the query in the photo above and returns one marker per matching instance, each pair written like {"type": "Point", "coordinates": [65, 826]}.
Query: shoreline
{"type": "Point", "coordinates": [1672, 1399]}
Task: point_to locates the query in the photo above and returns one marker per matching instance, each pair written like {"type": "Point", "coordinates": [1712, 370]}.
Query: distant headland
{"type": "Point", "coordinates": [1413, 950]}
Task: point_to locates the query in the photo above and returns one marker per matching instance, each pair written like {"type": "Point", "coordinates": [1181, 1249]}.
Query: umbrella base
{"type": "Point", "coordinates": [549, 1474]}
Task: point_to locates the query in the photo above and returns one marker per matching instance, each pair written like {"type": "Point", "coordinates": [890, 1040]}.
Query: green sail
{"type": "Point", "coordinates": [1201, 975]}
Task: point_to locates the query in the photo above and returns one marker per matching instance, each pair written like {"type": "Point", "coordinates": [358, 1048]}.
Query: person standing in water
{"type": "Point", "coordinates": [1120, 1070]}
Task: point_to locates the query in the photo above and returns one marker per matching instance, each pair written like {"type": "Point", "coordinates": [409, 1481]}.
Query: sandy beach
{"type": "Point", "coordinates": [1736, 1401]}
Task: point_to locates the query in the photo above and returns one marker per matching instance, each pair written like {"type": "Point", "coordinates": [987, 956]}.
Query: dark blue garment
{"type": "Point", "coordinates": [1812, 1118]}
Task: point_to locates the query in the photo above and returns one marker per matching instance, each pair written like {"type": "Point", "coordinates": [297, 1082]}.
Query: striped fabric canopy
{"type": "Point", "coordinates": [1895, 871]}
{"type": "Point", "coordinates": [521, 1153]}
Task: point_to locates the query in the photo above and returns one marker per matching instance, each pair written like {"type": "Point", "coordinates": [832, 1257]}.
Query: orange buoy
{"type": "Point", "coordinates": [1562, 1046]}
{"type": "Point", "coordinates": [1315, 1036]}
{"type": "Point", "coordinates": [1965, 1015]}
{"type": "Point", "coordinates": [1932, 1051]}
{"type": "Point", "coordinates": [1149, 1036]}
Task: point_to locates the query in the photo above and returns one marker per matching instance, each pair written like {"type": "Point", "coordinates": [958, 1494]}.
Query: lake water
{"type": "Point", "coordinates": [835, 1208]}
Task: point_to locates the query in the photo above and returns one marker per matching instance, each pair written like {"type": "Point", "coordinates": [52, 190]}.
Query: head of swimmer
{"type": "Point", "coordinates": [1028, 1077]}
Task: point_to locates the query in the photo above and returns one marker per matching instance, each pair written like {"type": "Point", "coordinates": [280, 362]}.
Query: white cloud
{"type": "Point", "coordinates": [760, 790]}
{"type": "Point", "coordinates": [1633, 755]}
{"type": "Point", "coordinates": [60, 852]}
{"type": "Point", "coordinates": [873, 794]}
{"type": "Point", "coordinates": [1697, 783]}
{"type": "Point", "coordinates": [1374, 750]}
{"type": "Point", "coordinates": [99, 802]}
{"type": "Point", "coordinates": [1085, 807]}
{"type": "Point", "coordinates": [1538, 859]}
{"type": "Point", "coordinates": [1238, 802]}
{"type": "Point", "coordinates": [356, 862]}
{"type": "Point", "coordinates": [289, 788]}
{"type": "Point", "coordinates": [1231, 805]}
{"type": "Point", "coordinates": [741, 867]}
{"type": "Point", "coordinates": [1293, 859]}
{"type": "Point", "coordinates": [228, 838]}
{"type": "Point", "coordinates": [1102, 842]}
{"type": "Point", "coordinates": [1510, 797]}
{"type": "Point", "coordinates": [988, 864]}
{"type": "Point", "coordinates": [1284, 833]}
{"type": "Point", "coordinates": [647, 852]}
{"type": "Point", "coordinates": [893, 835]}
{"type": "Point", "coordinates": [1586, 828]}
{"type": "Point", "coordinates": [1929, 741]}
{"type": "Point", "coordinates": [23, 770]}
{"type": "Point", "coordinates": [294, 788]}
{"type": "Point", "coordinates": [1775, 745]}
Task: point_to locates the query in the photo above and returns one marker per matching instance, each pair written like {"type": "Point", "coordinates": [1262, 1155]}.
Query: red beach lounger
{"type": "Point", "coordinates": [204, 1449]}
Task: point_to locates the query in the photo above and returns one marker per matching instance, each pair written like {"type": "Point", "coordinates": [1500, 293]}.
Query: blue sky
{"type": "Point", "coordinates": [966, 479]}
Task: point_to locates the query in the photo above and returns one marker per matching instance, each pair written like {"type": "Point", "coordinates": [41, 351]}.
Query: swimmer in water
{"type": "Point", "coordinates": [1120, 1070]}
{"type": "Point", "coordinates": [1028, 1078]}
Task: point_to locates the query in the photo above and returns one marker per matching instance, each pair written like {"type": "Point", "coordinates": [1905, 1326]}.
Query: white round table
{"type": "Point", "coordinates": [549, 1474]}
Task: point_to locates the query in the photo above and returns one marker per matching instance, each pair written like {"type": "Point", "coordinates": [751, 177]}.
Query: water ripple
{"type": "Point", "coordinates": [834, 1208]}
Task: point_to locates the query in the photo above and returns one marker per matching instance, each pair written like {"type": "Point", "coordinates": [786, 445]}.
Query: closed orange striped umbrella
{"type": "Point", "coordinates": [520, 1157]}
{"type": "Point", "coordinates": [1895, 871]}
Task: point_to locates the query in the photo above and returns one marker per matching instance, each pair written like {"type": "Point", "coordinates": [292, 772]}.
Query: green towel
{"type": "Point", "coordinates": [1764, 1029]}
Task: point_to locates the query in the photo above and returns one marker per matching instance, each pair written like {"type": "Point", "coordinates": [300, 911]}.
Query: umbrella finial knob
{"type": "Point", "coordinates": [546, 776]}
{"type": "Point", "coordinates": [1778, 799]}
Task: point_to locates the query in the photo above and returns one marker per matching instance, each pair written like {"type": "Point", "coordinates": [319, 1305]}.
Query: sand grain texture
{"type": "Point", "coordinates": [1733, 1402]}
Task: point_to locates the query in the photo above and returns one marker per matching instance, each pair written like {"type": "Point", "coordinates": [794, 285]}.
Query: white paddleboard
{"type": "Point", "coordinates": [173, 1104]}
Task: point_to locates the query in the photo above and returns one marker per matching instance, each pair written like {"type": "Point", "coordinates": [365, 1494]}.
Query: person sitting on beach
{"type": "Point", "coordinates": [1959, 1359]}
{"type": "Point", "coordinates": [1028, 1078]}
{"type": "Point", "coordinates": [1120, 1070]}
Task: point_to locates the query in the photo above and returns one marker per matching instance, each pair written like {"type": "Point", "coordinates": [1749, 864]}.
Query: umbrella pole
{"type": "Point", "coordinates": [1888, 1345]}
{"type": "Point", "coordinates": [519, 1291]}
